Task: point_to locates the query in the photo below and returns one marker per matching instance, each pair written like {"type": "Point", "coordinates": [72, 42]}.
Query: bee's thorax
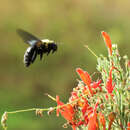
{"type": "Point", "coordinates": [47, 41]}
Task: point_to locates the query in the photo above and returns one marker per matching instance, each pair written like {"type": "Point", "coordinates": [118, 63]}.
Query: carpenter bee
{"type": "Point", "coordinates": [36, 47]}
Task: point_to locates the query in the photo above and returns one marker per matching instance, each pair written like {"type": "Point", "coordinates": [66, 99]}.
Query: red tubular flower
{"type": "Point", "coordinates": [66, 111]}
{"type": "Point", "coordinates": [128, 126]}
{"type": "Point", "coordinates": [96, 84]}
{"type": "Point", "coordinates": [73, 127]}
{"type": "Point", "coordinates": [106, 96]}
{"type": "Point", "coordinates": [109, 85]}
{"type": "Point", "coordinates": [59, 103]}
{"type": "Point", "coordinates": [102, 120]}
{"type": "Point", "coordinates": [85, 106]}
{"type": "Point", "coordinates": [85, 78]}
{"type": "Point", "coordinates": [93, 122]}
{"type": "Point", "coordinates": [108, 41]}
{"type": "Point", "coordinates": [74, 96]}
{"type": "Point", "coordinates": [128, 63]}
{"type": "Point", "coordinates": [92, 125]}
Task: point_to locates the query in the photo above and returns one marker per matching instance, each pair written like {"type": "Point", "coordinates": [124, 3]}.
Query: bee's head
{"type": "Point", "coordinates": [54, 47]}
{"type": "Point", "coordinates": [49, 45]}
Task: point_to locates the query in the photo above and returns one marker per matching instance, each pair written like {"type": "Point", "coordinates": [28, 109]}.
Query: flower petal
{"type": "Point", "coordinates": [66, 111]}
{"type": "Point", "coordinates": [109, 85]}
{"type": "Point", "coordinates": [102, 120]}
{"type": "Point", "coordinates": [96, 84]}
{"type": "Point", "coordinates": [93, 123]}
{"type": "Point", "coordinates": [108, 41]}
{"type": "Point", "coordinates": [85, 78]}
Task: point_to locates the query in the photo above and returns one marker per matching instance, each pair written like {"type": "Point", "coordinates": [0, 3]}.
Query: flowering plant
{"type": "Point", "coordinates": [93, 105]}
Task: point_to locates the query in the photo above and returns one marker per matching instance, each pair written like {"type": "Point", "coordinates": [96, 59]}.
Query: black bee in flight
{"type": "Point", "coordinates": [37, 46]}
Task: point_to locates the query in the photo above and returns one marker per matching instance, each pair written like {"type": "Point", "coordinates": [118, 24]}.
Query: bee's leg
{"type": "Point", "coordinates": [34, 56]}
{"type": "Point", "coordinates": [53, 51]}
{"type": "Point", "coordinates": [48, 52]}
{"type": "Point", "coordinates": [41, 55]}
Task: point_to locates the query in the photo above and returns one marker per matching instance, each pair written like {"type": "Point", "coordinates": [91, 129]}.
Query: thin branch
{"type": "Point", "coordinates": [91, 51]}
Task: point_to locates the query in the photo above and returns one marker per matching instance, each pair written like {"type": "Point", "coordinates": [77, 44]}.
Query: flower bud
{"type": "Point", "coordinates": [112, 116]}
{"type": "Point", "coordinates": [51, 109]}
{"type": "Point", "coordinates": [39, 112]}
{"type": "Point", "coordinates": [4, 120]}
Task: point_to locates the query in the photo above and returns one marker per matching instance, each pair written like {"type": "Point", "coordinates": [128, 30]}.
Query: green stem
{"type": "Point", "coordinates": [91, 51]}
{"type": "Point", "coordinates": [50, 97]}
{"type": "Point", "coordinates": [26, 110]}
{"type": "Point", "coordinates": [46, 109]}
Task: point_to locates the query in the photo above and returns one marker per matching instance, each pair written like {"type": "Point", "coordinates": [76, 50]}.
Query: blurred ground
{"type": "Point", "coordinates": [72, 24]}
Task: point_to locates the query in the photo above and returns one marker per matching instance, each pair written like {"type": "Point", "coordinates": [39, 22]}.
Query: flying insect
{"type": "Point", "coordinates": [36, 46]}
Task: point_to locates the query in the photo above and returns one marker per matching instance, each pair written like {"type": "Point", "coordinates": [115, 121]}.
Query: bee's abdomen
{"type": "Point", "coordinates": [29, 55]}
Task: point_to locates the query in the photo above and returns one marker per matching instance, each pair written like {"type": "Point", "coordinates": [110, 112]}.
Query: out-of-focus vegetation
{"type": "Point", "coordinates": [72, 24]}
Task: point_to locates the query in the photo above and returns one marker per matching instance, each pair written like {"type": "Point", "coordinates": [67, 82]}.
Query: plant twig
{"type": "Point", "coordinates": [91, 51]}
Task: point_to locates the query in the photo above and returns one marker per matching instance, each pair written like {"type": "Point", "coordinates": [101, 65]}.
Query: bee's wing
{"type": "Point", "coordinates": [27, 37]}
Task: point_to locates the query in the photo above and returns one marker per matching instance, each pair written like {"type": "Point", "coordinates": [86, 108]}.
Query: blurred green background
{"type": "Point", "coordinates": [72, 24]}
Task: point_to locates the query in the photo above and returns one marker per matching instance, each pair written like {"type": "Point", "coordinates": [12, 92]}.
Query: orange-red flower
{"type": "Point", "coordinates": [109, 85]}
{"type": "Point", "coordinates": [128, 126]}
{"type": "Point", "coordinates": [93, 122]}
{"type": "Point", "coordinates": [96, 84]}
{"type": "Point", "coordinates": [85, 78]}
{"type": "Point", "coordinates": [66, 110]}
{"type": "Point", "coordinates": [86, 111]}
{"type": "Point", "coordinates": [74, 96]}
{"type": "Point", "coordinates": [108, 41]}
{"type": "Point", "coordinates": [85, 106]}
{"type": "Point", "coordinates": [102, 120]}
